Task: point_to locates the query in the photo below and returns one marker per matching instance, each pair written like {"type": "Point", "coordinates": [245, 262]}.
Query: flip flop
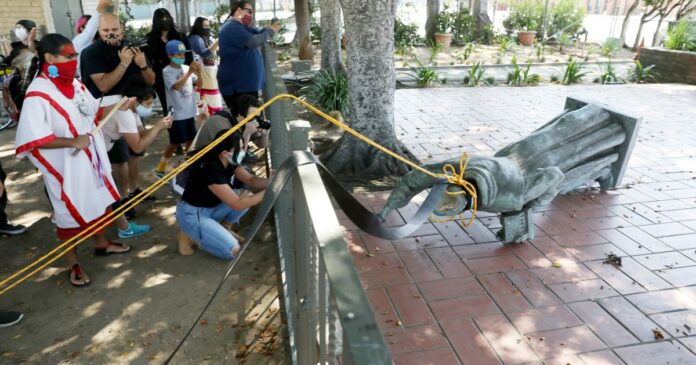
{"type": "Point", "coordinates": [105, 251]}
{"type": "Point", "coordinates": [76, 276]}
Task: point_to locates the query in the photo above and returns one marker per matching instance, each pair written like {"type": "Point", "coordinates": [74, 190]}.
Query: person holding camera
{"type": "Point", "coordinates": [163, 30]}
{"type": "Point", "coordinates": [209, 199]}
{"type": "Point", "coordinates": [106, 65]}
{"type": "Point", "coordinates": [179, 80]}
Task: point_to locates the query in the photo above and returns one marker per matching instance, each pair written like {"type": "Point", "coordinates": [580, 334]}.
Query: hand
{"type": "Point", "coordinates": [81, 142]}
{"type": "Point", "coordinates": [128, 104]}
{"type": "Point", "coordinates": [103, 5]}
{"type": "Point", "coordinates": [250, 128]}
{"type": "Point", "coordinates": [194, 67]}
{"type": "Point", "coordinates": [32, 34]}
{"type": "Point", "coordinates": [164, 123]}
{"type": "Point", "coordinates": [126, 56]}
{"type": "Point", "coordinates": [139, 57]}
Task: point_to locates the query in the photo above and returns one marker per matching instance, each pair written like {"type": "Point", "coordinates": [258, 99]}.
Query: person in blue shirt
{"type": "Point", "coordinates": [241, 66]}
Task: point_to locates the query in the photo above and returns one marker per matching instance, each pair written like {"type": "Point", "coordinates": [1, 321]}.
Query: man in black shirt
{"type": "Point", "coordinates": [106, 65]}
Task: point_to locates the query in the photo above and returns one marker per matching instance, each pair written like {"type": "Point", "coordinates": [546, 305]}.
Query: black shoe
{"type": "Point", "coordinates": [179, 151]}
{"type": "Point", "coordinates": [129, 214]}
{"type": "Point", "coordinates": [8, 318]}
{"type": "Point", "coordinates": [149, 198]}
{"type": "Point", "coordinates": [12, 229]}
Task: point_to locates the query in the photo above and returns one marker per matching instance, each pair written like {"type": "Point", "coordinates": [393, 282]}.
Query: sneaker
{"type": "Point", "coordinates": [134, 230]}
{"type": "Point", "coordinates": [179, 151]}
{"type": "Point", "coordinates": [149, 198]}
{"type": "Point", "coordinates": [129, 214]}
{"type": "Point", "coordinates": [159, 174]}
{"type": "Point", "coordinates": [12, 229]}
{"type": "Point", "coordinates": [8, 318]}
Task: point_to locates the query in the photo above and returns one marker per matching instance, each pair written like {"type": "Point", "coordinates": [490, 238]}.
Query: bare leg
{"type": "Point", "coordinates": [120, 172]}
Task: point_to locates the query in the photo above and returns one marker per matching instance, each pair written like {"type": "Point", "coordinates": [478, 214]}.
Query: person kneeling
{"type": "Point", "coordinates": [209, 199]}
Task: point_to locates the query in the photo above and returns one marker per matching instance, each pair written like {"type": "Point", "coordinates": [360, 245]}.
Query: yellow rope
{"type": "Point", "coordinates": [451, 176]}
{"type": "Point", "coordinates": [457, 178]}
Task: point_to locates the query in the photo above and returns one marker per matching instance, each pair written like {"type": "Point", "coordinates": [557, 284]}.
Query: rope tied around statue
{"type": "Point", "coordinates": [361, 216]}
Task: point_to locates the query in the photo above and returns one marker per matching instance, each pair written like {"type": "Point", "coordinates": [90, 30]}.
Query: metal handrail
{"type": "Point", "coordinates": [329, 318]}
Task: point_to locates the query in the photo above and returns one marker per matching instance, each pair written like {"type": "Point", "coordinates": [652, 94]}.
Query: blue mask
{"type": "Point", "coordinates": [178, 61]}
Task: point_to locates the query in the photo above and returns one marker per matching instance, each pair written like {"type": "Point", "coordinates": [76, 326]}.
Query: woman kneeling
{"type": "Point", "coordinates": [209, 199]}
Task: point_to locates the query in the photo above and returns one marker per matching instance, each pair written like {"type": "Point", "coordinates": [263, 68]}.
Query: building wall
{"type": "Point", "coordinates": [13, 10]}
{"type": "Point", "coordinates": [671, 66]}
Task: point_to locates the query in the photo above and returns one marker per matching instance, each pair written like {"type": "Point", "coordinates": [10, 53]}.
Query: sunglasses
{"type": "Point", "coordinates": [249, 10]}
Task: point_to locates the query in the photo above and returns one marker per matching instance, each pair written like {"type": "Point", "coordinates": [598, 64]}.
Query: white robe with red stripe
{"type": "Point", "coordinates": [80, 187]}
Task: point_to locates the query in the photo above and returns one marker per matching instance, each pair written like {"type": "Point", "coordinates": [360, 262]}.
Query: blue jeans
{"type": "Point", "coordinates": [203, 226]}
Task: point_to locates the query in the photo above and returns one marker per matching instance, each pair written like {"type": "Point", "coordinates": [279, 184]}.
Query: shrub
{"type": "Point", "coordinates": [608, 75]}
{"type": "Point", "coordinates": [315, 31]}
{"type": "Point", "coordinates": [610, 47]}
{"type": "Point", "coordinates": [527, 15]}
{"type": "Point", "coordinates": [573, 73]}
{"type": "Point", "coordinates": [643, 74]}
{"type": "Point", "coordinates": [219, 15]}
{"type": "Point", "coordinates": [444, 20]}
{"type": "Point", "coordinates": [564, 41]}
{"type": "Point", "coordinates": [521, 77]}
{"type": "Point", "coordinates": [423, 75]}
{"type": "Point", "coordinates": [565, 16]}
{"type": "Point", "coordinates": [466, 53]}
{"type": "Point", "coordinates": [463, 27]}
{"type": "Point", "coordinates": [504, 45]}
{"type": "Point", "coordinates": [681, 37]}
{"type": "Point", "coordinates": [405, 35]}
{"type": "Point", "coordinates": [475, 76]}
{"type": "Point", "coordinates": [328, 91]}
{"type": "Point", "coordinates": [434, 48]}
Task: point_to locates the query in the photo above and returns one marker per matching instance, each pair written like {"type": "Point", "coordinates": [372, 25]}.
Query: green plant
{"type": "Point", "coordinates": [504, 45]}
{"type": "Point", "coordinates": [328, 91]}
{"type": "Point", "coordinates": [315, 31]}
{"type": "Point", "coordinates": [643, 74]}
{"type": "Point", "coordinates": [564, 41]}
{"type": "Point", "coordinates": [284, 56]}
{"type": "Point", "coordinates": [681, 37]}
{"type": "Point", "coordinates": [475, 76]}
{"type": "Point", "coordinates": [405, 35]}
{"type": "Point", "coordinates": [487, 35]}
{"type": "Point", "coordinates": [610, 47]}
{"type": "Point", "coordinates": [520, 76]}
{"type": "Point", "coordinates": [527, 15]}
{"type": "Point", "coordinates": [540, 48]}
{"type": "Point", "coordinates": [463, 27]}
{"type": "Point", "coordinates": [219, 16]}
{"type": "Point", "coordinates": [424, 75]}
{"type": "Point", "coordinates": [565, 16]}
{"type": "Point", "coordinates": [444, 21]}
{"type": "Point", "coordinates": [554, 78]}
{"type": "Point", "coordinates": [434, 48]}
{"type": "Point", "coordinates": [607, 75]}
{"type": "Point", "coordinates": [465, 54]}
{"type": "Point", "coordinates": [573, 73]}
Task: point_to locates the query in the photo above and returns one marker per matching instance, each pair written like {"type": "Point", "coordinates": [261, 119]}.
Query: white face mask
{"type": "Point", "coordinates": [236, 159]}
{"type": "Point", "coordinates": [21, 33]}
{"type": "Point", "coordinates": [142, 111]}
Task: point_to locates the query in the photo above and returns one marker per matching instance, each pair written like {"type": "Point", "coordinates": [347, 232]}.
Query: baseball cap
{"type": "Point", "coordinates": [176, 46]}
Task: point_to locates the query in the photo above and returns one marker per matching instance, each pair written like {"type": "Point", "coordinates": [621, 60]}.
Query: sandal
{"type": "Point", "coordinates": [106, 252]}
{"type": "Point", "coordinates": [77, 276]}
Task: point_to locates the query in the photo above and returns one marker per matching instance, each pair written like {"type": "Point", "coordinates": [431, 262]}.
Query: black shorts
{"type": "Point", "coordinates": [133, 154]}
{"type": "Point", "coordinates": [182, 131]}
{"type": "Point", "coordinates": [119, 151]}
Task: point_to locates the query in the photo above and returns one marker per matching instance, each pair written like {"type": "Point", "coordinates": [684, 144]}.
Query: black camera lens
{"type": "Point", "coordinates": [263, 122]}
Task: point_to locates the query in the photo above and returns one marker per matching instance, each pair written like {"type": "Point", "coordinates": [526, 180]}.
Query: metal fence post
{"type": "Point", "coordinates": [306, 293]}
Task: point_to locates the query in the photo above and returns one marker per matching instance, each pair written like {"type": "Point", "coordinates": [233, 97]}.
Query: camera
{"type": "Point", "coordinates": [263, 122]}
{"type": "Point", "coordinates": [135, 43]}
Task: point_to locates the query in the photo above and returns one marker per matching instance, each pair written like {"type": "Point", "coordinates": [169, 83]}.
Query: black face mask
{"type": "Point", "coordinates": [167, 24]}
{"type": "Point", "coordinates": [205, 32]}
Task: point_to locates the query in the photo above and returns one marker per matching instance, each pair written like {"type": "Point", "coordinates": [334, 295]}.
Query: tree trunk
{"type": "Point", "coordinates": [331, 58]}
{"type": "Point", "coordinates": [655, 42]}
{"type": "Point", "coordinates": [304, 40]}
{"type": "Point", "coordinates": [636, 43]}
{"type": "Point", "coordinates": [431, 22]}
{"type": "Point", "coordinates": [624, 25]}
{"type": "Point", "coordinates": [686, 8]}
{"type": "Point", "coordinates": [371, 80]}
{"type": "Point", "coordinates": [480, 11]}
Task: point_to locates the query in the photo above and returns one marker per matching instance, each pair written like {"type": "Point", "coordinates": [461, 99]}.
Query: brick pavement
{"type": "Point", "coordinates": [449, 295]}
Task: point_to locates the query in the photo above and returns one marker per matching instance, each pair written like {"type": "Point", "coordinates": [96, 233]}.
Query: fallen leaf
{"type": "Point", "coordinates": [658, 334]}
{"type": "Point", "coordinates": [556, 264]}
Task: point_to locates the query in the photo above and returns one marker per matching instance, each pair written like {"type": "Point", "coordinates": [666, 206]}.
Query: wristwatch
{"type": "Point", "coordinates": [144, 68]}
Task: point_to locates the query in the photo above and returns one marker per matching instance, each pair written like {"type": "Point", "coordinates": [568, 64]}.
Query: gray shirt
{"type": "Point", "coordinates": [183, 101]}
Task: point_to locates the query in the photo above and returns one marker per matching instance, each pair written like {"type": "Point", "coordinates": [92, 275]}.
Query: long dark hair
{"type": "Point", "coordinates": [158, 25]}
{"type": "Point", "coordinates": [27, 24]}
{"type": "Point", "coordinates": [227, 144]}
{"type": "Point", "coordinates": [197, 26]}
{"type": "Point", "coordinates": [52, 44]}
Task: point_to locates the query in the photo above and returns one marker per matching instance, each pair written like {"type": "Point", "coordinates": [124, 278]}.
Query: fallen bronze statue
{"type": "Point", "coordinates": [587, 142]}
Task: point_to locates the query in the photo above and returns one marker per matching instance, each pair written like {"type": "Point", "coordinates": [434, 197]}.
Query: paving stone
{"type": "Point", "coordinates": [538, 294]}
{"type": "Point", "coordinates": [410, 306]}
{"type": "Point", "coordinates": [603, 324]}
{"type": "Point", "coordinates": [450, 288]}
{"type": "Point", "coordinates": [636, 322]}
{"type": "Point", "coordinates": [664, 301]}
{"type": "Point", "coordinates": [508, 298]}
{"type": "Point", "coordinates": [463, 307]}
{"type": "Point", "coordinates": [677, 324]}
{"type": "Point", "coordinates": [621, 282]}
{"type": "Point", "coordinates": [544, 319]}
{"type": "Point", "coordinates": [469, 342]}
{"type": "Point", "coordinates": [583, 290]}
{"type": "Point", "coordinates": [505, 340]}
{"type": "Point", "coordinates": [566, 341]}
{"type": "Point", "coordinates": [656, 353]}
{"type": "Point", "coordinates": [606, 357]}
{"type": "Point", "coordinates": [431, 357]}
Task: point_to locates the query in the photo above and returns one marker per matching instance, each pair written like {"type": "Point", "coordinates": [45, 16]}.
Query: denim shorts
{"type": "Point", "coordinates": [203, 226]}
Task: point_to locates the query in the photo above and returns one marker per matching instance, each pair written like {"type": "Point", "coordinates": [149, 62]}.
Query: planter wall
{"type": "Point", "coordinates": [671, 66]}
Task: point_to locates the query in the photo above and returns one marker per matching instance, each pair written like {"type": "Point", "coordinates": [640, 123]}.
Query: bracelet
{"type": "Point", "coordinates": [125, 67]}
{"type": "Point", "coordinates": [144, 68]}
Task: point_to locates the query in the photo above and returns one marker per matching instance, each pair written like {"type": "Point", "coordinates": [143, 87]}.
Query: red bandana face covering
{"type": "Point", "coordinates": [63, 74]}
{"type": "Point", "coordinates": [246, 20]}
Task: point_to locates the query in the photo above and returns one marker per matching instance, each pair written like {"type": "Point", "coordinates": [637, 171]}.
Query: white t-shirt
{"type": "Point", "coordinates": [121, 123]}
{"type": "Point", "coordinates": [183, 100]}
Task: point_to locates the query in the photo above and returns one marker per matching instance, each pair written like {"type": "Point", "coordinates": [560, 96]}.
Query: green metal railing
{"type": "Point", "coordinates": [329, 318]}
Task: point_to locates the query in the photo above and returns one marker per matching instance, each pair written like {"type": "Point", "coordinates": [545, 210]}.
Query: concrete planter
{"type": "Point", "coordinates": [526, 37]}
{"type": "Point", "coordinates": [671, 66]}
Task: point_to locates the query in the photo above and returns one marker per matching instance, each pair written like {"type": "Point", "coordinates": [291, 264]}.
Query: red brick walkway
{"type": "Point", "coordinates": [449, 295]}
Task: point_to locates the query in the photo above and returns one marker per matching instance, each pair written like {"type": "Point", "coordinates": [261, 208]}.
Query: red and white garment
{"type": "Point", "coordinates": [80, 187]}
{"type": "Point", "coordinates": [209, 94]}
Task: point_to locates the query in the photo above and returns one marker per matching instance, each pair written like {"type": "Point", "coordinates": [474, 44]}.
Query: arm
{"type": "Point", "coordinates": [178, 84]}
{"type": "Point", "coordinates": [253, 181]}
{"type": "Point", "coordinates": [79, 142]}
{"type": "Point", "coordinates": [145, 69]}
{"type": "Point", "coordinates": [260, 138]}
{"type": "Point", "coordinates": [84, 39]}
{"type": "Point", "coordinates": [106, 81]}
{"type": "Point", "coordinates": [198, 46]}
{"type": "Point", "coordinates": [258, 39]}
{"type": "Point", "coordinates": [225, 193]}
{"type": "Point", "coordinates": [139, 142]}
{"type": "Point", "coordinates": [214, 47]}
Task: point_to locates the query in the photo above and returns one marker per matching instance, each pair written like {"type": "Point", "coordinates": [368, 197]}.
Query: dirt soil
{"type": "Point", "coordinates": [139, 305]}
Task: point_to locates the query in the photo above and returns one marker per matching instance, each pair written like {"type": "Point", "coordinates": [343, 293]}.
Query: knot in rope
{"type": "Point", "coordinates": [455, 177]}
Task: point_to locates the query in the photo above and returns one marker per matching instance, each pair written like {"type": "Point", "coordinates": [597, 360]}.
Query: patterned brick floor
{"type": "Point", "coordinates": [449, 295]}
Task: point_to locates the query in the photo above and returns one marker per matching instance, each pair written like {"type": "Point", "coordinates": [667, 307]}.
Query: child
{"type": "Point", "coordinates": [178, 83]}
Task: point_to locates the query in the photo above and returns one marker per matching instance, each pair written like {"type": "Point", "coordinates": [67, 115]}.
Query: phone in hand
{"type": "Point", "coordinates": [170, 110]}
